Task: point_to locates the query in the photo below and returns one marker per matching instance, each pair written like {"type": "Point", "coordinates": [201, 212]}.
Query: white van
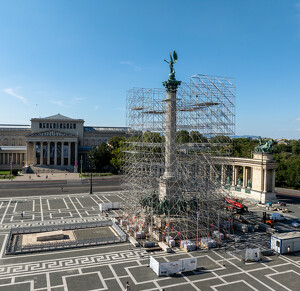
{"type": "Point", "coordinates": [277, 216]}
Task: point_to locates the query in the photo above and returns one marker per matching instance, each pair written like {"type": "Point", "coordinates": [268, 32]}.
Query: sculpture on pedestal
{"type": "Point", "coordinates": [266, 147]}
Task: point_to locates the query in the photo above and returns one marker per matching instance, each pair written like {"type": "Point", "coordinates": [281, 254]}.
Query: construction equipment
{"type": "Point", "coordinates": [267, 220]}
{"type": "Point", "coordinates": [235, 206]}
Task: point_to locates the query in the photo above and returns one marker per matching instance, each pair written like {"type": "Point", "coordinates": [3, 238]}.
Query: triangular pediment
{"type": "Point", "coordinates": [58, 117]}
{"type": "Point", "coordinates": [51, 133]}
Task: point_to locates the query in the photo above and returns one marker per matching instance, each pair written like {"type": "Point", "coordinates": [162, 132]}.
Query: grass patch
{"type": "Point", "coordinates": [4, 172]}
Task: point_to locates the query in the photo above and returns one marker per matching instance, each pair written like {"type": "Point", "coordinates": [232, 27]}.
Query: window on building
{"type": "Point", "coordinates": [41, 125]}
{"type": "Point", "coordinates": [71, 125]}
{"type": "Point", "coordinates": [74, 125]}
{"type": "Point", "coordinates": [278, 243]}
{"type": "Point", "coordinates": [61, 125]}
{"type": "Point", "coordinates": [54, 125]}
{"type": "Point", "coordinates": [47, 125]}
{"type": "Point", "coordinates": [20, 142]}
{"type": "Point", "coordinates": [5, 142]}
{"type": "Point", "coordinates": [13, 142]}
{"type": "Point", "coordinates": [51, 125]}
{"type": "Point", "coordinates": [44, 125]}
{"type": "Point", "coordinates": [67, 125]}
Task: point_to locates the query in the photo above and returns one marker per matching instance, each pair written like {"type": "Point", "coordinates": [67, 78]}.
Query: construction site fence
{"type": "Point", "coordinates": [13, 247]}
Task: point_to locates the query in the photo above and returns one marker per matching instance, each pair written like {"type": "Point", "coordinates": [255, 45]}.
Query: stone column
{"type": "Point", "coordinates": [62, 153]}
{"type": "Point", "coordinates": [48, 153]}
{"type": "Point", "coordinates": [236, 174]}
{"type": "Point", "coordinates": [273, 181]}
{"type": "Point", "coordinates": [55, 153]}
{"type": "Point", "coordinates": [265, 180]}
{"type": "Point", "coordinates": [170, 134]}
{"type": "Point", "coordinates": [76, 152]}
{"type": "Point", "coordinates": [27, 153]}
{"type": "Point", "coordinates": [222, 174]}
{"type": "Point", "coordinates": [166, 188]}
{"type": "Point", "coordinates": [69, 153]}
{"type": "Point", "coordinates": [34, 153]}
{"type": "Point", "coordinates": [42, 153]}
{"type": "Point", "coordinates": [244, 177]}
{"type": "Point", "coordinates": [233, 176]}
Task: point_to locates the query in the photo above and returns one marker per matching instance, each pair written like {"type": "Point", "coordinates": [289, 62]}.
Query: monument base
{"type": "Point", "coordinates": [167, 188]}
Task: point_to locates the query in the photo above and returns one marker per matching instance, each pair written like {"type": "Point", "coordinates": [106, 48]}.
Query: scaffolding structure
{"type": "Point", "coordinates": [189, 205]}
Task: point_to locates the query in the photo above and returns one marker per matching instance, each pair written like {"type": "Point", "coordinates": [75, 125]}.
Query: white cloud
{"type": "Point", "coordinates": [78, 99]}
{"type": "Point", "coordinates": [298, 129]}
{"type": "Point", "coordinates": [11, 92]}
{"type": "Point", "coordinates": [298, 119]}
{"type": "Point", "coordinates": [128, 63]}
{"type": "Point", "coordinates": [96, 107]}
{"type": "Point", "coordinates": [58, 103]}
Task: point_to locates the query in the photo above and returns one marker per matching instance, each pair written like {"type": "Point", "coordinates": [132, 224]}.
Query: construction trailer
{"type": "Point", "coordinates": [163, 268]}
{"type": "Point", "coordinates": [284, 243]}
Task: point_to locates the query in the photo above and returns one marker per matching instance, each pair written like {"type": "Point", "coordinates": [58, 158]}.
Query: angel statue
{"type": "Point", "coordinates": [171, 63]}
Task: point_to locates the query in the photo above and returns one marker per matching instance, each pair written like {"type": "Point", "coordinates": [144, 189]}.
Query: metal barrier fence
{"type": "Point", "coordinates": [13, 246]}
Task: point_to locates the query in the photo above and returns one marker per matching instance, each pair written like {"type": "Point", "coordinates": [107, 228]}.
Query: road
{"type": "Point", "coordinates": [33, 188]}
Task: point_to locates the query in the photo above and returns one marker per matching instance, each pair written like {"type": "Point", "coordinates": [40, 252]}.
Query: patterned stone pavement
{"type": "Point", "coordinates": [109, 267]}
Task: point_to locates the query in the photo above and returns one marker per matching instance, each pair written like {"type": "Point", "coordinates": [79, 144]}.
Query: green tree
{"type": "Point", "coordinates": [116, 145]}
{"type": "Point", "coordinates": [100, 157]}
{"type": "Point", "coordinates": [183, 136]}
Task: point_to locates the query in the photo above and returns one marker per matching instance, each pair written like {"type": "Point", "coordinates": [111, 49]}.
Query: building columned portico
{"type": "Point", "coordinates": [56, 141]}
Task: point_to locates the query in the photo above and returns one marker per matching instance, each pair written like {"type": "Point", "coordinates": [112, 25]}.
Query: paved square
{"type": "Point", "coordinates": [109, 267]}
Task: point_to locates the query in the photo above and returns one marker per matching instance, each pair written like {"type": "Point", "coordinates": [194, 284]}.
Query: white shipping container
{"type": "Point", "coordinates": [252, 254]}
{"type": "Point", "coordinates": [188, 245]}
{"type": "Point", "coordinates": [170, 241]}
{"type": "Point", "coordinates": [284, 243]}
{"type": "Point", "coordinates": [104, 206]}
{"type": "Point", "coordinates": [116, 205]}
{"type": "Point", "coordinates": [168, 268]}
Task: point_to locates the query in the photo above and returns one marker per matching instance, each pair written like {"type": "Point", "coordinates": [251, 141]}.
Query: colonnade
{"type": "Point", "coordinates": [17, 158]}
{"type": "Point", "coordinates": [57, 153]}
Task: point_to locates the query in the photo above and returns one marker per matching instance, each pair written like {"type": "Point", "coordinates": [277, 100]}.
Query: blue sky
{"type": "Point", "coordinates": [79, 58]}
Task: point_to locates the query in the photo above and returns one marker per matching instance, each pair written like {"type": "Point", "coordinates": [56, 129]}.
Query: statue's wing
{"type": "Point", "coordinates": [175, 57]}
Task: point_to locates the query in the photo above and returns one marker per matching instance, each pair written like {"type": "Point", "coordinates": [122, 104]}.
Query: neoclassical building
{"type": "Point", "coordinates": [52, 142]}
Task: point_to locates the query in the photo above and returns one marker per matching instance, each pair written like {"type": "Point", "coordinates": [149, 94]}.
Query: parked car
{"type": "Point", "coordinates": [277, 216]}
{"type": "Point", "coordinates": [295, 224]}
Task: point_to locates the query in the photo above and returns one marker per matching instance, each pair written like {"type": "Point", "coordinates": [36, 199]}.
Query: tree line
{"type": "Point", "coordinates": [108, 156]}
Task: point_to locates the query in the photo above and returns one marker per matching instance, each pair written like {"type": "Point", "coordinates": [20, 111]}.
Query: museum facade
{"type": "Point", "coordinates": [55, 142]}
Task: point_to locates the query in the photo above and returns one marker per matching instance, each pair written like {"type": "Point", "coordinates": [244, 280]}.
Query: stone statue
{"type": "Point", "coordinates": [239, 182]}
{"type": "Point", "coordinates": [171, 63]}
{"type": "Point", "coordinates": [266, 147]}
{"type": "Point", "coordinates": [249, 183]}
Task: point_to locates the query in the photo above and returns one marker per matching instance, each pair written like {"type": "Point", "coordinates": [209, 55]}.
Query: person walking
{"type": "Point", "coordinates": [128, 286]}
{"type": "Point", "coordinates": [22, 214]}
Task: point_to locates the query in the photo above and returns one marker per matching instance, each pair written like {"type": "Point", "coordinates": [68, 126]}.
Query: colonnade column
{"type": "Point", "coordinates": [69, 153]}
{"type": "Point", "coordinates": [27, 153]}
{"type": "Point", "coordinates": [34, 153]}
{"type": "Point", "coordinates": [76, 152]}
{"type": "Point", "coordinates": [273, 181]}
{"type": "Point", "coordinates": [265, 180]}
{"type": "Point", "coordinates": [244, 177]}
{"type": "Point", "coordinates": [48, 153]}
{"type": "Point", "coordinates": [42, 153]}
{"type": "Point", "coordinates": [62, 154]}
{"type": "Point", "coordinates": [233, 176]}
{"type": "Point", "coordinates": [55, 153]}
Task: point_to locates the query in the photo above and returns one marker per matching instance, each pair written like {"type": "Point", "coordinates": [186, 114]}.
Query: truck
{"type": "Point", "coordinates": [235, 206]}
